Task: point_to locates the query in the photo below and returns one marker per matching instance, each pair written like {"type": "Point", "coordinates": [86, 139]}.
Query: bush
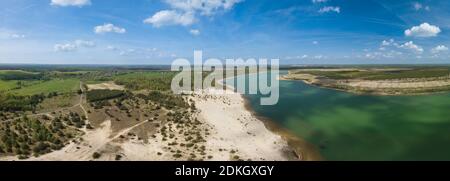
{"type": "Point", "coordinates": [11, 103]}
{"type": "Point", "coordinates": [146, 80]}
{"type": "Point", "coordinates": [41, 148]}
{"type": "Point", "coordinates": [96, 155]}
{"type": "Point", "coordinates": [22, 157]}
{"type": "Point", "coordinates": [88, 126]}
{"type": "Point", "coordinates": [166, 100]}
{"type": "Point", "coordinates": [177, 155]}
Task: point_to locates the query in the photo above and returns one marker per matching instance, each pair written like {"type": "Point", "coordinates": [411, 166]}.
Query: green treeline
{"type": "Point", "coordinates": [100, 95]}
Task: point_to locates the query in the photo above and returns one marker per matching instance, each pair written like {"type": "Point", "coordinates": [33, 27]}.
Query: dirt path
{"type": "Point", "coordinates": [82, 97]}
{"type": "Point", "coordinates": [93, 141]}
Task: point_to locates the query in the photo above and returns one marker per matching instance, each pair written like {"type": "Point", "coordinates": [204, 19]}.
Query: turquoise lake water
{"type": "Point", "coordinates": [346, 126]}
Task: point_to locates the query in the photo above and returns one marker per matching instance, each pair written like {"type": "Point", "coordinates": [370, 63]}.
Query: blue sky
{"type": "Point", "coordinates": [159, 31]}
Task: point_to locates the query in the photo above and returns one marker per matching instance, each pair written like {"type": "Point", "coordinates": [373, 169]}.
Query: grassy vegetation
{"type": "Point", "coordinates": [57, 102]}
{"type": "Point", "coordinates": [146, 80]}
{"type": "Point", "coordinates": [415, 73]}
{"type": "Point", "coordinates": [7, 85]}
{"type": "Point", "coordinates": [165, 99]}
{"type": "Point", "coordinates": [12, 103]}
{"type": "Point", "coordinates": [56, 85]}
{"type": "Point", "coordinates": [24, 91]}
{"type": "Point", "coordinates": [382, 74]}
{"type": "Point", "coordinates": [19, 75]}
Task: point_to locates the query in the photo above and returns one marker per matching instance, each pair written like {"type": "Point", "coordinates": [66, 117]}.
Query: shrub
{"type": "Point", "coordinates": [41, 148]}
{"type": "Point", "coordinates": [96, 155]}
{"type": "Point", "coordinates": [177, 155]}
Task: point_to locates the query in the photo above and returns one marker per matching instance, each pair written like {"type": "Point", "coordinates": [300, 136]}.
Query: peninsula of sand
{"type": "Point", "coordinates": [378, 81]}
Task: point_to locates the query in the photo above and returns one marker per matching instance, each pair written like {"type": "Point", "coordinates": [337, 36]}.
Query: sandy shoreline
{"type": "Point", "coordinates": [237, 128]}
{"type": "Point", "coordinates": [302, 149]}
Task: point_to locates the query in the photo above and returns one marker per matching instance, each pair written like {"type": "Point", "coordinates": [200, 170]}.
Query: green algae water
{"type": "Point", "coordinates": [346, 126]}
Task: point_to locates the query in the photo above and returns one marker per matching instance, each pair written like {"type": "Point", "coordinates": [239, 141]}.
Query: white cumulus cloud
{"type": "Point", "coordinates": [78, 3]}
{"type": "Point", "coordinates": [387, 42]}
{"type": "Point", "coordinates": [328, 9]}
{"type": "Point", "coordinates": [73, 46]}
{"type": "Point", "coordinates": [83, 43]}
{"type": "Point", "coordinates": [319, 1]}
{"type": "Point", "coordinates": [170, 17]}
{"type": "Point", "coordinates": [204, 7]}
{"type": "Point", "coordinates": [194, 32]}
{"type": "Point", "coordinates": [68, 47]}
{"type": "Point", "coordinates": [7, 34]}
{"type": "Point", "coordinates": [423, 30]}
{"type": "Point", "coordinates": [185, 12]}
{"type": "Point", "coordinates": [127, 52]}
{"type": "Point", "coordinates": [439, 49]}
{"type": "Point", "coordinates": [112, 48]}
{"type": "Point", "coordinates": [411, 46]}
{"type": "Point", "coordinates": [109, 28]}
{"type": "Point", "coordinates": [17, 36]}
{"type": "Point", "coordinates": [418, 6]}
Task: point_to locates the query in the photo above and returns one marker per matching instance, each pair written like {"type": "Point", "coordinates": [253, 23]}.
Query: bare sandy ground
{"type": "Point", "coordinates": [105, 85]}
{"type": "Point", "coordinates": [101, 140]}
{"type": "Point", "coordinates": [234, 131]}
{"type": "Point", "coordinates": [236, 128]}
{"type": "Point", "coordinates": [397, 84]}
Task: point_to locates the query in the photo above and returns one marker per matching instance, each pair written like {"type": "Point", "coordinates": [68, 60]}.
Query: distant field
{"type": "Point", "coordinates": [12, 85]}
{"type": "Point", "coordinates": [3, 72]}
{"type": "Point", "coordinates": [60, 86]}
{"type": "Point", "coordinates": [18, 75]}
{"type": "Point", "coordinates": [146, 80]}
{"type": "Point", "coordinates": [7, 85]}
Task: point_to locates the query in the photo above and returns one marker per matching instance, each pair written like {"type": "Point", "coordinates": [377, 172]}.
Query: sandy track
{"type": "Point", "coordinates": [82, 149]}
